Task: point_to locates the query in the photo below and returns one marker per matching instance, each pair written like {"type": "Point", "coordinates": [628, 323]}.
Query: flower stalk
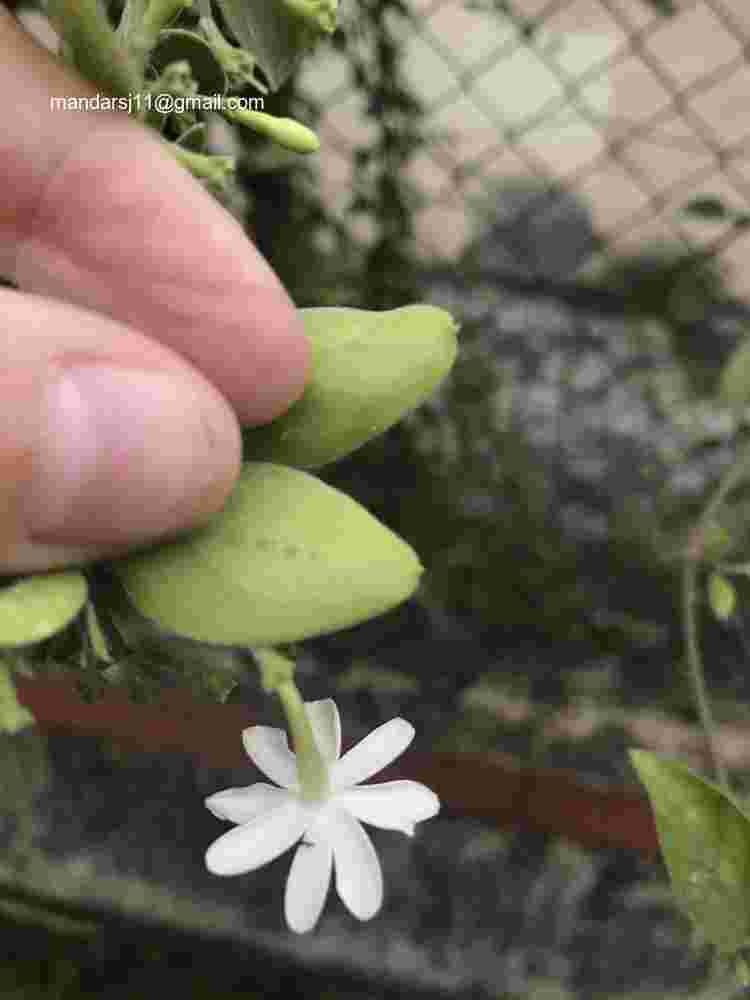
{"type": "Point", "coordinates": [277, 674]}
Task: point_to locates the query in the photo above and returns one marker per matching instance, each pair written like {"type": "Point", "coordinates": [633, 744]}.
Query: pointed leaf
{"type": "Point", "coordinates": [707, 207]}
{"type": "Point", "coordinates": [273, 35]}
{"type": "Point", "coordinates": [705, 839]}
{"type": "Point", "coordinates": [288, 558]}
{"type": "Point", "coordinates": [368, 370]}
{"type": "Point", "coordinates": [35, 607]}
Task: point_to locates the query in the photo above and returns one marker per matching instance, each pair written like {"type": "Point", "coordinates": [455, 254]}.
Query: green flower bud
{"type": "Point", "coordinates": [285, 132]}
{"type": "Point", "coordinates": [321, 14]}
{"type": "Point", "coordinates": [721, 596]}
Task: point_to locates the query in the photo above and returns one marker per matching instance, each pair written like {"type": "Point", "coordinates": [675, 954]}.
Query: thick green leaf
{"type": "Point", "coordinates": [35, 607]}
{"type": "Point", "coordinates": [288, 558]}
{"type": "Point", "coordinates": [368, 370]}
{"type": "Point", "coordinates": [705, 839]}
{"type": "Point", "coordinates": [734, 383]}
{"type": "Point", "coordinates": [275, 37]}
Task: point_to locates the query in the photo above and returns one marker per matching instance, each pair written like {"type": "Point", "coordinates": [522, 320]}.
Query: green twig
{"type": "Point", "coordinates": [695, 555]}
{"type": "Point", "coordinates": [695, 669]}
{"type": "Point", "coordinates": [277, 674]}
{"type": "Point", "coordinates": [159, 13]}
{"type": "Point", "coordinates": [213, 169]}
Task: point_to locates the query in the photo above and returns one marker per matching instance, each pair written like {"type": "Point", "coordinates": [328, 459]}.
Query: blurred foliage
{"type": "Point", "coordinates": [678, 286]}
{"type": "Point", "coordinates": [314, 252]}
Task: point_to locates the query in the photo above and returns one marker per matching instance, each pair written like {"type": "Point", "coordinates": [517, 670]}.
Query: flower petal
{"type": "Point", "coordinates": [239, 805]}
{"type": "Point", "coordinates": [269, 751]}
{"type": "Point", "coordinates": [253, 844]}
{"type": "Point", "coordinates": [359, 879]}
{"type": "Point", "coordinates": [326, 727]}
{"type": "Point", "coordinates": [391, 805]}
{"type": "Point", "coordinates": [373, 753]}
{"type": "Point", "coordinates": [307, 885]}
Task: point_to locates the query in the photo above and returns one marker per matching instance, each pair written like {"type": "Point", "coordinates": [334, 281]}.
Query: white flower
{"type": "Point", "coordinates": [271, 819]}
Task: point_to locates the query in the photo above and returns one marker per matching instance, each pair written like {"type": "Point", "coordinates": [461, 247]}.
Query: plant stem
{"type": "Point", "coordinates": [696, 672]}
{"type": "Point", "coordinates": [728, 481]}
{"type": "Point", "coordinates": [277, 674]}
{"type": "Point", "coordinates": [158, 14]}
{"type": "Point", "coordinates": [213, 169]}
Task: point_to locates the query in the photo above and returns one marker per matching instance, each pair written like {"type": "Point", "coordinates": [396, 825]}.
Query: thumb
{"type": "Point", "coordinates": [108, 439]}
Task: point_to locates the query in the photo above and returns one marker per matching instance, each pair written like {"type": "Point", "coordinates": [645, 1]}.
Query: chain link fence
{"type": "Point", "coordinates": [635, 111]}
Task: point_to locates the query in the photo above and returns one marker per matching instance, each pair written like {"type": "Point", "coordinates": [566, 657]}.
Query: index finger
{"type": "Point", "coordinates": [101, 216]}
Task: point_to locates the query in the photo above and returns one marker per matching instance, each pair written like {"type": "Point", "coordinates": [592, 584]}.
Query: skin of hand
{"type": "Point", "coordinates": [144, 329]}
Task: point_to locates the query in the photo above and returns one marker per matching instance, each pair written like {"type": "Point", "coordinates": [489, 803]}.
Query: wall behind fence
{"type": "Point", "coordinates": [634, 112]}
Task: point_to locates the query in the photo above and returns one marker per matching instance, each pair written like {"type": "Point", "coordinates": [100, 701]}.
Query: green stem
{"type": "Point", "coordinates": [159, 13]}
{"type": "Point", "coordinates": [13, 715]}
{"type": "Point", "coordinates": [696, 672]}
{"type": "Point", "coordinates": [277, 674]}
{"type": "Point", "coordinates": [729, 480]}
{"type": "Point", "coordinates": [208, 168]}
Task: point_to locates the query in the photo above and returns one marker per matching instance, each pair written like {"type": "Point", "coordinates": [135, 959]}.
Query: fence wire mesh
{"type": "Point", "coordinates": [633, 111]}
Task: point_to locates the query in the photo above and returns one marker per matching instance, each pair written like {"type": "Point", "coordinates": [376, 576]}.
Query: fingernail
{"type": "Point", "coordinates": [127, 456]}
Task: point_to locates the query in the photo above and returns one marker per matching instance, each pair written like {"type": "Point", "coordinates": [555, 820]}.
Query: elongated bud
{"type": "Point", "coordinates": [285, 131]}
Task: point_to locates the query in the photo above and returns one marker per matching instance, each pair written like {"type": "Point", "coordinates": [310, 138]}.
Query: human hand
{"type": "Point", "coordinates": [148, 329]}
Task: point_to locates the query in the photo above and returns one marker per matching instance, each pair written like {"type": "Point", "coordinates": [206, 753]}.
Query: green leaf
{"type": "Point", "coordinates": [721, 596]}
{"type": "Point", "coordinates": [271, 33]}
{"type": "Point", "coordinates": [707, 207]}
{"type": "Point", "coordinates": [288, 557]}
{"type": "Point", "coordinates": [368, 370]}
{"type": "Point", "coordinates": [734, 381]}
{"type": "Point", "coordinates": [36, 607]}
{"type": "Point", "coordinates": [704, 836]}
